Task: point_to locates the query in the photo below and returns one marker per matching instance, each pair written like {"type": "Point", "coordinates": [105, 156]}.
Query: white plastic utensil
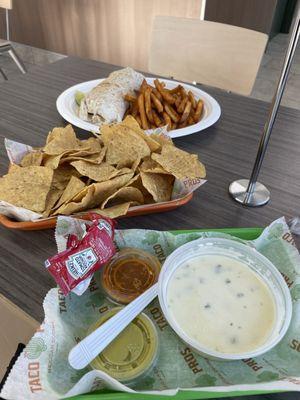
{"type": "Point", "coordinates": [85, 351]}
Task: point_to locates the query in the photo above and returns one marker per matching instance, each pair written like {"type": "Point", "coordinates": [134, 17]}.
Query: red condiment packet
{"type": "Point", "coordinates": [83, 257]}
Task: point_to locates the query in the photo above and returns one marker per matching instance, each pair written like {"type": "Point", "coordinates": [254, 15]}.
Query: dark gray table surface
{"type": "Point", "coordinates": [228, 149]}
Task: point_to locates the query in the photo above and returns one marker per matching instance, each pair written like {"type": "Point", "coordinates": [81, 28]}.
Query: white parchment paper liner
{"type": "Point", "coordinates": [16, 151]}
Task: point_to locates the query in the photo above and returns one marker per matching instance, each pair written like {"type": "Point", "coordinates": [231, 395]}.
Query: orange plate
{"type": "Point", "coordinates": [133, 212]}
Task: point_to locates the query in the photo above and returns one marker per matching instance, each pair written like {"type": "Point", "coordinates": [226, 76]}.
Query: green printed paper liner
{"type": "Point", "coordinates": [43, 372]}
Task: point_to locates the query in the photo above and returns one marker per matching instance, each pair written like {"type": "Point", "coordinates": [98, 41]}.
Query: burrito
{"type": "Point", "coordinates": [105, 103]}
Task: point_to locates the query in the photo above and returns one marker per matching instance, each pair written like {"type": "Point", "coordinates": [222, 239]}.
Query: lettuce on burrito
{"type": "Point", "coordinates": [105, 103]}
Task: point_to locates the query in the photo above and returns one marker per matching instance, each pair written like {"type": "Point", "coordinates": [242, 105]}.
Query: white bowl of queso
{"type": "Point", "coordinates": [224, 299]}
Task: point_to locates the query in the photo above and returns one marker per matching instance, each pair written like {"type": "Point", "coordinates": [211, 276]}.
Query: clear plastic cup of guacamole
{"type": "Point", "coordinates": [132, 354]}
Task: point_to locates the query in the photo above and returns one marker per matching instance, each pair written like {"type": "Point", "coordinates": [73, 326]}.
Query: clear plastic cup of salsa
{"type": "Point", "coordinates": [128, 274]}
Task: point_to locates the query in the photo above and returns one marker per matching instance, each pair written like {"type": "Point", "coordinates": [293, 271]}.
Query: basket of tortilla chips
{"type": "Point", "coordinates": [123, 170]}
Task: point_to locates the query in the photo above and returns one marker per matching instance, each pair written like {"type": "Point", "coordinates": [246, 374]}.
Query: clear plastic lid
{"type": "Point", "coordinates": [128, 274]}
{"type": "Point", "coordinates": [132, 353]}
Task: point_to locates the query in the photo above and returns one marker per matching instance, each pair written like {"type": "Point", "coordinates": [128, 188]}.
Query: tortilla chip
{"type": "Point", "coordinates": [82, 202]}
{"type": "Point", "coordinates": [97, 172]}
{"type": "Point", "coordinates": [53, 160]}
{"type": "Point", "coordinates": [92, 144]}
{"type": "Point", "coordinates": [124, 194]}
{"type": "Point", "coordinates": [88, 148]}
{"type": "Point", "coordinates": [62, 175]}
{"type": "Point", "coordinates": [125, 163]}
{"type": "Point", "coordinates": [132, 180]}
{"type": "Point", "coordinates": [136, 182]}
{"type": "Point", "coordinates": [92, 196]}
{"type": "Point", "coordinates": [124, 145]}
{"type": "Point", "coordinates": [74, 186]}
{"type": "Point", "coordinates": [52, 198]}
{"type": "Point", "coordinates": [149, 165]}
{"type": "Point", "coordinates": [135, 164]}
{"type": "Point", "coordinates": [32, 158]}
{"type": "Point", "coordinates": [105, 189]}
{"type": "Point", "coordinates": [160, 186]}
{"type": "Point", "coordinates": [95, 158]}
{"type": "Point", "coordinates": [81, 153]}
{"type": "Point", "coordinates": [27, 187]}
{"type": "Point", "coordinates": [123, 171]}
{"type": "Point", "coordinates": [51, 135]}
{"type": "Point", "coordinates": [132, 123]}
{"type": "Point", "coordinates": [61, 140]}
{"type": "Point", "coordinates": [161, 138]}
{"type": "Point", "coordinates": [114, 211]}
{"type": "Point", "coordinates": [130, 165]}
{"type": "Point", "coordinates": [180, 163]}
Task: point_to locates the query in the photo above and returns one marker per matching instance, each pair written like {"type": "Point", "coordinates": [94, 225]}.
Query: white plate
{"type": "Point", "coordinates": [67, 107]}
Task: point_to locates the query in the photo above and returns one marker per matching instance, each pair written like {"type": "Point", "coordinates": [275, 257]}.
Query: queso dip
{"type": "Point", "coordinates": [222, 304]}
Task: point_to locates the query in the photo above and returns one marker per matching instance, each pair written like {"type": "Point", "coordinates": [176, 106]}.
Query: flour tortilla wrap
{"type": "Point", "coordinates": [105, 103]}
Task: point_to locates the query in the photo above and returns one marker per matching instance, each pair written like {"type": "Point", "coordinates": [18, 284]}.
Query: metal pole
{"type": "Point", "coordinates": [7, 25]}
{"type": "Point", "coordinates": [250, 192]}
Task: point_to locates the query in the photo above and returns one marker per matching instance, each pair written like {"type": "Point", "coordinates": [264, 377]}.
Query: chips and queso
{"type": "Point", "coordinates": [120, 168]}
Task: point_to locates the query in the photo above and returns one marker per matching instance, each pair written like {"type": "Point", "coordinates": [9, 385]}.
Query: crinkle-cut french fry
{"type": "Point", "coordinates": [178, 101]}
{"type": "Point", "coordinates": [141, 105]}
{"type": "Point", "coordinates": [134, 109]}
{"type": "Point", "coordinates": [192, 99]}
{"type": "Point", "coordinates": [171, 112]}
{"type": "Point", "coordinates": [183, 92]}
{"type": "Point", "coordinates": [176, 89]}
{"type": "Point", "coordinates": [144, 86]}
{"type": "Point", "coordinates": [165, 95]}
{"type": "Point", "coordinates": [157, 94]}
{"type": "Point", "coordinates": [192, 113]}
{"type": "Point", "coordinates": [148, 105]}
{"type": "Point", "coordinates": [182, 105]}
{"type": "Point", "coordinates": [167, 120]}
{"type": "Point", "coordinates": [157, 84]}
{"type": "Point", "coordinates": [156, 102]}
{"type": "Point", "coordinates": [168, 97]}
{"type": "Point", "coordinates": [198, 111]}
{"type": "Point", "coordinates": [182, 125]}
{"type": "Point", "coordinates": [156, 119]}
{"type": "Point", "coordinates": [129, 98]}
{"type": "Point", "coordinates": [186, 111]}
{"type": "Point", "coordinates": [190, 121]}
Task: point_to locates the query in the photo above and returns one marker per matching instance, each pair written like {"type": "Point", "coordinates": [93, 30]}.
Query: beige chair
{"type": "Point", "coordinates": [16, 327]}
{"type": "Point", "coordinates": [5, 46]}
{"type": "Point", "coordinates": [210, 53]}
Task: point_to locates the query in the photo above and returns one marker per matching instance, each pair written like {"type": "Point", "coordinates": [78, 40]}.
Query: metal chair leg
{"type": "Point", "coordinates": [3, 74]}
{"type": "Point", "coordinates": [17, 60]}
